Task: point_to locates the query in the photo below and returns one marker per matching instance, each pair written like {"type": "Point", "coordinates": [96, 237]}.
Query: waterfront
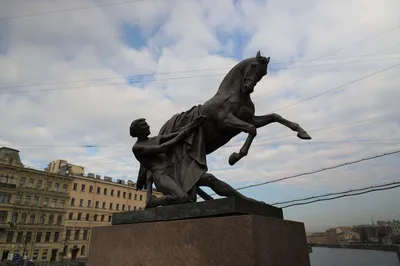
{"type": "Point", "coordinates": [352, 257]}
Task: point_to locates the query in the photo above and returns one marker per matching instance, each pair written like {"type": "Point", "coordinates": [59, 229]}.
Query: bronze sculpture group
{"type": "Point", "coordinates": [175, 159]}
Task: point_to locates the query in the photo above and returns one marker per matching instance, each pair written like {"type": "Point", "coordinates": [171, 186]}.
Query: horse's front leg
{"type": "Point", "coordinates": [260, 121]}
{"type": "Point", "coordinates": [235, 123]}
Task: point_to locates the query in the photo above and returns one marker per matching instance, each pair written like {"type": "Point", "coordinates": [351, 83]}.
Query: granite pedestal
{"type": "Point", "coordinates": [220, 232]}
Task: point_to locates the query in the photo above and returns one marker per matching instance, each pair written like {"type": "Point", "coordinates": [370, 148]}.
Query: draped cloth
{"type": "Point", "coordinates": [188, 157]}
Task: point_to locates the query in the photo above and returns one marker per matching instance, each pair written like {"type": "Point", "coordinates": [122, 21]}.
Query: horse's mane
{"type": "Point", "coordinates": [237, 71]}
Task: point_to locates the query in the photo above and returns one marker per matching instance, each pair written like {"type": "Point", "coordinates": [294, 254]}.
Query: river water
{"type": "Point", "coordinates": [352, 257]}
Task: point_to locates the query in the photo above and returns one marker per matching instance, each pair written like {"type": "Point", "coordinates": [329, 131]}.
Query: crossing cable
{"type": "Point", "coordinates": [194, 70]}
{"type": "Point", "coordinates": [337, 193]}
{"type": "Point", "coordinates": [342, 196]}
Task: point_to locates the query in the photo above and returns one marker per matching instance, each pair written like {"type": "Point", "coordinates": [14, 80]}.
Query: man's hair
{"type": "Point", "coordinates": [136, 126]}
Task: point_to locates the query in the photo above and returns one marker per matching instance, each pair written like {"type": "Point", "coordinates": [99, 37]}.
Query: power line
{"type": "Point", "coordinates": [186, 71]}
{"type": "Point", "coordinates": [337, 193]}
{"type": "Point", "coordinates": [116, 83]}
{"type": "Point", "coordinates": [318, 171]}
{"type": "Point", "coordinates": [342, 196]}
{"type": "Point", "coordinates": [70, 9]}
{"type": "Point", "coordinates": [338, 87]}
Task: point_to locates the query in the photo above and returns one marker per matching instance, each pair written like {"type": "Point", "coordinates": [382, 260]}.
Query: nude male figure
{"type": "Point", "coordinates": [151, 153]}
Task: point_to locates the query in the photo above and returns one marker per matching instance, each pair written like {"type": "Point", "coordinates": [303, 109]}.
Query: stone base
{"type": "Point", "coordinates": [231, 240]}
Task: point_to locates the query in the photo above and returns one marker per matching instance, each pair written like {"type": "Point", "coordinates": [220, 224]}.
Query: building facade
{"type": "Point", "coordinates": [92, 202]}
{"type": "Point", "coordinates": [33, 208]}
{"type": "Point", "coordinates": [64, 168]}
{"type": "Point", "coordinates": [317, 238]}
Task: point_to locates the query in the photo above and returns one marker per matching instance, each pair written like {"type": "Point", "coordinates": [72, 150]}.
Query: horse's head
{"type": "Point", "coordinates": [254, 72]}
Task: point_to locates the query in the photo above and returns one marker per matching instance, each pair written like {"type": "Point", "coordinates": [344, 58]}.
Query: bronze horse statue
{"type": "Point", "coordinates": [229, 112]}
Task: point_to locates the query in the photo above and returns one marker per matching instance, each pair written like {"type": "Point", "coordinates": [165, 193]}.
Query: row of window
{"type": "Point", "coordinates": [31, 219]}
{"type": "Point", "coordinates": [39, 184]}
{"type": "Point", "coordinates": [104, 204]}
{"type": "Point", "coordinates": [28, 237]}
{"type": "Point", "coordinates": [78, 234]}
{"type": "Point", "coordinates": [95, 217]}
{"type": "Point", "coordinates": [105, 191]}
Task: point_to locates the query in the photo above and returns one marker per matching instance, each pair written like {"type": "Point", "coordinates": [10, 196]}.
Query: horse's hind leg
{"type": "Point", "coordinates": [220, 187]}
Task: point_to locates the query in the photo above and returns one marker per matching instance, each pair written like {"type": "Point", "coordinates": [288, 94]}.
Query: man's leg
{"type": "Point", "coordinates": [220, 187]}
{"type": "Point", "coordinates": [172, 192]}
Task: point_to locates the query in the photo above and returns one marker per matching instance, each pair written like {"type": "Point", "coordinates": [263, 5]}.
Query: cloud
{"type": "Point", "coordinates": [185, 48]}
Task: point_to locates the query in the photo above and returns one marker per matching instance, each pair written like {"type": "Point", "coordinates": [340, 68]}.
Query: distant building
{"type": "Point", "coordinates": [349, 237]}
{"type": "Point", "coordinates": [392, 227]}
{"type": "Point", "coordinates": [391, 240]}
{"type": "Point", "coordinates": [332, 234]}
{"type": "Point", "coordinates": [317, 238]}
{"type": "Point", "coordinates": [62, 167]}
{"type": "Point", "coordinates": [368, 233]}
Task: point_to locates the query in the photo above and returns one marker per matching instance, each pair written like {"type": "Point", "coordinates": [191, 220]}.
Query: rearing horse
{"type": "Point", "coordinates": [229, 112]}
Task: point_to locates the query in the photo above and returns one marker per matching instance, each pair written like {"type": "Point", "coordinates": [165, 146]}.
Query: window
{"type": "Point", "coordinates": [75, 186]}
{"type": "Point", "coordinates": [56, 186]}
{"type": "Point", "coordinates": [56, 236]}
{"type": "Point", "coordinates": [85, 234]}
{"type": "Point", "coordinates": [39, 184]}
{"type": "Point", "coordinates": [45, 202]}
{"type": "Point", "coordinates": [91, 189]}
{"type": "Point", "coordinates": [98, 190]}
{"type": "Point", "coordinates": [22, 181]}
{"type": "Point", "coordinates": [89, 203]}
{"type": "Point", "coordinates": [112, 192]}
{"type": "Point", "coordinates": [65, 187]}
{"type": "Point", "coordinates": [3, 216]}
{"type": "Point", "coordinates": [14, 217]}
{"type": "Point", "coordinates": [51, 219]}
{"type": "Point", "coordinates": [49, 185]}
{"type": "Point", "coordinates": [140, 197]}
{"type": "Point", "coordinates": [104, 205]}
{"type": "Point", "coordinates": [23, 219]}
{"type": "Point", "coordinates": [68, 235]}
{"type": "Point", "coordinates": [83, 188]}
{"type": "Point", "coordinates": [95, 218]}
{"type": "Point", "coordinates": [36, 201]}
{"type": "Point", "coordinates": [27, 200]}
{"type": "Point", "coordinates": [118, 193]}
{"type": "Point", "coordinates": [129, 207]}
{"type": "Point", "coordinates": [105, 191]}
{"type": "Point", "coordinates": [73, 202]}
{"type": "Point", "coordinates": [134, 208]}
{"type": "Point", "coordinates": [44, 254]}
{"type": "Point", "coordinates": [70, 216]}
{"type": "Point", "coordinates": [10, 236]}
{"type": "Point", "coordinates": [32, 219]}
{"type": "Point", "coordinates": [38, 237]}
{"type": "Point", "coordinates": [109, 218]}
{"type": "Point", "coordinates": [31, 182]}
{"type": "Point", "coordinates": [111, 206]}
{"type": "Point", "coordinates": [28, 237]}
{"type": "Point", "coordinates": [87, 216]}
{"type": "Point", "coordinates": [124, 195]}
{"type": "Point", "coordinates": [53, 203]}
{"type": "Point", "coordinates": [19, 237]}
{"type": "Point", "coordinates": [5, 197]}
{"type": "Point", "coordinates": [77, 234]}
{"type": "Point", "coordinates": [117, 206]}
{"type": "Point", "coordinates": [59, 219]}
{"type": "Point", "coordinates": [130, 195]}
{"type": "Point", "coordinates": [47, 238]}
{"type": "Point", "coordinates": [83, 251]}
{"type": "Point", "coordinates": [35, 254]}
{"type": "Point", "coordinates": [42, 219]}
{"type": "Point", "coordinates": [18, 200]}
{"type": "Point", "coordinates": [81, 203]}
{"type": "Point", "coordinates": [102, 218]}
{"type": "Point", "coordinates": [79, 216]}
{"type": "Point", "coordinates": [123, 207]}
{"type": "Point", "coordinates": [135, 196]}
{"type": "Point", "coordinates": [97, 204]}
{"type": "Point", "coordinates": [62, 204]}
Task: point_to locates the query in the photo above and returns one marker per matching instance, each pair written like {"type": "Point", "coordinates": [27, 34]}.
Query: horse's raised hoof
{"type": "Point", "coordinates": [303, 135]}
{"type": "Point", "coordinates": [234, 158]}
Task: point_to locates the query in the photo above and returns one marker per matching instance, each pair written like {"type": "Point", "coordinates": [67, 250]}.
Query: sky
{"type": "Point", "coordinates": [77, 73]}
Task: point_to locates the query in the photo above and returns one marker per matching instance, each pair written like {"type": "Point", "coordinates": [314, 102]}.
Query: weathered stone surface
{"type": "Point", "coordinates": [219, 207]}
{"type": "Point", "coordinates": [221, 241]}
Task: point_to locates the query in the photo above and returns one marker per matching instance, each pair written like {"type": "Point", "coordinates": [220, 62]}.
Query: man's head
{"type": "Point", "coordinates": [139, 128]}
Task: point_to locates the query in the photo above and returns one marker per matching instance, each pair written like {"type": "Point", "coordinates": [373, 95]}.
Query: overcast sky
{"type": "Point", "coordinates": [71, 78]}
